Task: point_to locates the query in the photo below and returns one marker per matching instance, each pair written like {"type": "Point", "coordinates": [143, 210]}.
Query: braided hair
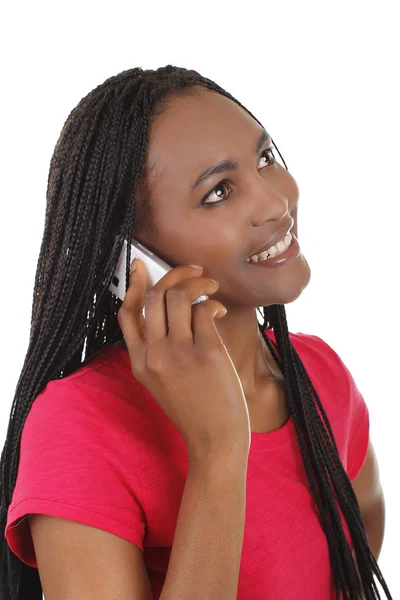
{"type": "Point", "coordinates": [92, 206]}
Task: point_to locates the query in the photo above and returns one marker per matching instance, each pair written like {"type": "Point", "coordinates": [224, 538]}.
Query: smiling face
{"type": "Point", "coordinates": [229, 215]}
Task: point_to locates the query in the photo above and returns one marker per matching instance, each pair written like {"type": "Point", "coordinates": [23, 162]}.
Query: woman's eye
{"type": "Point", "coordinates": [224, 184]}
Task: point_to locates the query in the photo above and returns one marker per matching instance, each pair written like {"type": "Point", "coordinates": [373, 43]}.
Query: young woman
{"type": "Point", "coordinates": [197, 453]}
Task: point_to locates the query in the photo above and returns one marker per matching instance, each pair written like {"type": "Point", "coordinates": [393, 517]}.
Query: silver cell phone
{"type": "Point", "coordinates": [155, 268]}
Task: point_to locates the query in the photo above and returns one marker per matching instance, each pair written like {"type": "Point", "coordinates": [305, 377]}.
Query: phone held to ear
{"type": "Point", "coordinates": [155, 268]}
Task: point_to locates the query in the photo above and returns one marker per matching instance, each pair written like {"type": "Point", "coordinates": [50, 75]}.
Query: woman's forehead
{"type": "Point", "coordinates": [197, 131]}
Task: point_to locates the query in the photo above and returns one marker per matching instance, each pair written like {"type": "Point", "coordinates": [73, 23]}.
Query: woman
{"type": "Point", "coordinates": [220, 453]}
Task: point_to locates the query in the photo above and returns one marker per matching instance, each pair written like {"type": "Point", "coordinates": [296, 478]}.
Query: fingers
{"type": "Point", "coordinates": [169, 309]}
{"type": "Point", "coordinates": [156, 323]}
{"type": "Point", "coordinates": [179, 306]}
{"type": "Point", "coordinates": [129, 316]}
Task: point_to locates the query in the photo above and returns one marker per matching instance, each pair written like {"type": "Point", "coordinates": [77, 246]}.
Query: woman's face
{"type": "Point", "coordinates": [218, 226]}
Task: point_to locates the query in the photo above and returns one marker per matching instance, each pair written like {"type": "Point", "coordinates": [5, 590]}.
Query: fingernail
{"type": "Point", "coordinates": [133, 265]}
{"type": "Point", "coordinates": [196, 266]}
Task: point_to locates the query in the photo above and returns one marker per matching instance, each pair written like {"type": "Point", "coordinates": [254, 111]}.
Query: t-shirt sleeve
{"type": "Point", "coordinates": [74, 464]}
{"type": "Point", "coordinates": [350, 410]}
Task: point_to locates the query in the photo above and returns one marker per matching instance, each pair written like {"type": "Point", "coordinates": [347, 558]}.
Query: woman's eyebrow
{"type": "Point", "coordinates": [228, 164]}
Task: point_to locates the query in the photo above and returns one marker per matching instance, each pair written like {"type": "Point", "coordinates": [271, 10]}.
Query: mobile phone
{"type": "Point", "coordinates": [155, 268]}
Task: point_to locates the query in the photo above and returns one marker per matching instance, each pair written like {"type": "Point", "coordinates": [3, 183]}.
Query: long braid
{"type": "Point", "coordinates": [322, 450]}
{"type": "Point", "coordinates": [92, 191]}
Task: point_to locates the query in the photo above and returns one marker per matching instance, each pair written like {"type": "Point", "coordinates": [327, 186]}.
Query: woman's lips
{"type": "Point", "coordinates": [281, 259]}
{"type": "Point", "coordinates": [277, 238]}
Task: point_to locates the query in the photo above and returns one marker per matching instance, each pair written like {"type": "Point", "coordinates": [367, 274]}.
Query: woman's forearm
{"type": "Point", "coordinates": [207, 547]}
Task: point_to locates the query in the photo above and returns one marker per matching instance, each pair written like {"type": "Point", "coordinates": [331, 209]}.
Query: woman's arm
{"type": "Point", "coordinates": [207, 546]}
{"type": "Point", "coordinates": [374, 523]}
{"type": "Point", "coordinates": [368, 489]}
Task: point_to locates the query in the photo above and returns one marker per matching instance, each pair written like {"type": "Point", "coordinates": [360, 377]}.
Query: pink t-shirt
{"type": "Point", "coordinates": [96, 448]}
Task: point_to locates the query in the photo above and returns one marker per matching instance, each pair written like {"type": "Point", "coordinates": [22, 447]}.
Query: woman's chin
{"type": "Point", "coordinates": [289, 288]}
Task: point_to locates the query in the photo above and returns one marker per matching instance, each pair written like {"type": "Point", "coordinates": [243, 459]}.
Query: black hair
{"type": "Point", "coordinates": [94, 202]}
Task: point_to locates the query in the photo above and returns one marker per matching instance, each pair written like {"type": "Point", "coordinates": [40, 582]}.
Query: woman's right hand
{"type": "Point", "coordinates": [177, 353]}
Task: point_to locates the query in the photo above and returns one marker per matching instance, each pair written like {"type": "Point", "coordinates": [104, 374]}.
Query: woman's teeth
{"type": "Point", "coordinates": [276, 250]}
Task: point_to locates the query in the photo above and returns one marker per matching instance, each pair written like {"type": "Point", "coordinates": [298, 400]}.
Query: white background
{"type": "Point", "coordinates": [321, 77]}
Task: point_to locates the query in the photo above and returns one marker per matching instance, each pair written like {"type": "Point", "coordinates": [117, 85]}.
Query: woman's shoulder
{"type": "Point", "coordinates": [322, 362]}
{"type": "Point", "coordinates": [309, 343]}
{"type": "Point", "coordinates": [100, 390]}
{"type": "Point", "coordinates": [319, 349]}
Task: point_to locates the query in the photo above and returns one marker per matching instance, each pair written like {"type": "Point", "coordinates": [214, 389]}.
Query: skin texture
{"type": "Point", "coordinates": [194, 133]}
